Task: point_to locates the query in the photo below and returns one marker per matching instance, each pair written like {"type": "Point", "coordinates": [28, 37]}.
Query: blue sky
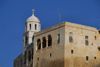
{"type": "Point", "coordinates": [13, 15]}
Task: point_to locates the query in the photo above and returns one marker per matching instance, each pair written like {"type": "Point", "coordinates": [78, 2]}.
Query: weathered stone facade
{"type": "Point", "coordinates": [61, 53]}
{"type": "Point", "coordinates": [63, 45]}
{"type": "Point", "coordinates": [18, 61]}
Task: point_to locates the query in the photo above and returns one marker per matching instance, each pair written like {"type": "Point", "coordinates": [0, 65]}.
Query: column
{"type": "Point", "coordinates": [35, 46]}
{"type": "Point", "coordinates": [41, 45]}
{"type": "Point", "coordinates": [46, 43]}
{"type": "Point", "coordinates": [27, 26]}
{"type": "Point", "coordinates": [23, 44]}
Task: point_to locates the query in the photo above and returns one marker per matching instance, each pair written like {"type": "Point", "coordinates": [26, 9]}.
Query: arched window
{"type": "Point", "coordinates": [58, 38]}
{"type": "Point", "coordinates": [38, 44]}
{"type": "Point", "coordinates": [26, 40]}
{"type": "Point", "coordinates": [30, 26]}
{"type": "Point", "coordinates": [49, 40]}
{"type": "Point", "coordinates": [29, 55]}
{"type": "Point", "coordinates": [44, 42]}
{"type": "Point", "coordinates": [35, 26]}
{"type": "Point", "coordinates": [70, 37]}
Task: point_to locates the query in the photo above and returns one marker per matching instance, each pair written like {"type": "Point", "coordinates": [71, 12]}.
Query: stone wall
{"type": "Point", "coordinates": [52, 56]}
{"type": "Point", "coordinates": [18, 61]}
{"type": "Point", "coordinates": [80, 50]}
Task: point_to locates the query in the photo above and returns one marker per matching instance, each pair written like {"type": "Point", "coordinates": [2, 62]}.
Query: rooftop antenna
{"type": "Point", "coordinates": [59, 16]}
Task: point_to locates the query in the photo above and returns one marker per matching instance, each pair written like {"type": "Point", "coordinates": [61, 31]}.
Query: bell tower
{"type": "Point", "coordinates": [32, 25]}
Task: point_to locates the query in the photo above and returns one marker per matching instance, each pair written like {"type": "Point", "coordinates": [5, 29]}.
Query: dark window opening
{"type": "Point", "coordinates": [26, 40]}
{"type": "Point", "coordinates": [70, 37]}
{"type": "Point", "coordinates": [44, 42]}
{"type": "Point", "coordinates": [30, 26]}
{"type": "Point", "coordinates": [95, 37]}
{"type": "Point", "coordinates": [50, 55]}
{"type": "Point", "coordinates": [58, 38]}
{"type": "Point", "coordinates": [86, 40]}
{"type": "Point", "coordinates": [86, 37]}
{"type": "Point", "coordinates": [87, 58]}
{"type": "Point", "coordinates": [94, 57]}
{"type": "Point", "coordinates": [29, 55]}
{"type": "Point", "coordinates": [35, 26]}
{"type": "Point", "coordinates": [72, 51]}
{"type": "Point", "coordinates": [32, 53]}
{"type": "Point", "coordinates": [33, 38]}
{"type": "Point", "coordinates": [38, 44]}
{"type": "Point", "coordinates": [49, 40]}
{"type": "Point", "coordinates": [37, 59]}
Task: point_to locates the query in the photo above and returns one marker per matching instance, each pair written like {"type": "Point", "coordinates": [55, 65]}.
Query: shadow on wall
{"type": "Point", "coordinates": [82, 62]}
{"type": "Point", "coordinates": [77, 62]}
{"type": "Point", "coordinates": [48, 63]}
{"type": "Point", "coordinates": [97, 65]}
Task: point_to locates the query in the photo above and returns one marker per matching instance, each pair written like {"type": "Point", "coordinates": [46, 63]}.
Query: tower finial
{"type": "Point", "coordinates": [33, 12]}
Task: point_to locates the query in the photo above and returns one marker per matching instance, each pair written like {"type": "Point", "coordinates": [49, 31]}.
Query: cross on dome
{"type": "Point", "coordinates": [33, 12]}
{"type": "Point", "coordinates": [33, 18]}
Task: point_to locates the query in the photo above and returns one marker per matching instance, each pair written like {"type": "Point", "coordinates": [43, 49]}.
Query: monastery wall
{"type": "Point", "coordinates": [80, 50]}
{"type": "Point", "coordinates": [52, 56]}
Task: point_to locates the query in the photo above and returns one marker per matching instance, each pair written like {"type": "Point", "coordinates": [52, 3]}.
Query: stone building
{"type": "Point", "coordinates": [63, 45]}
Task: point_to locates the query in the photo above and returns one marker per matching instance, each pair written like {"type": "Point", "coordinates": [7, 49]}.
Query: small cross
{"type": "Point", "coordinates": [33, 11]}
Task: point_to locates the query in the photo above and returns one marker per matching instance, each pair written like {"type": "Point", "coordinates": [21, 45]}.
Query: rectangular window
{"type": "Point", "coordinates": [72, 51]}
{"type": "Point", "coordinates": [94, 57]}
{"type": "Point", "coordinates": [35, 26]}
{"type": "Point", "coordinates": [58, 38]}
{"type": "Point", "coordinates": [86, 40]}
{"type": "Point", "coordinates": [70, 37]}
{"type": "Point", "coordinates": [30, 26]}
{"type": "Point", "coordinates": [50, 55]}
{"type": "Point", "coordinates": [37, 59]}
{"type": "Point", "coordinates": [95, 37]}
{"type": "Point", "coordinates": [87, 58]}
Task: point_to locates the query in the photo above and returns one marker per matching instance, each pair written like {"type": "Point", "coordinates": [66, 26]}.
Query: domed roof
{"type": "Point", "coordinates": [33, 18]}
